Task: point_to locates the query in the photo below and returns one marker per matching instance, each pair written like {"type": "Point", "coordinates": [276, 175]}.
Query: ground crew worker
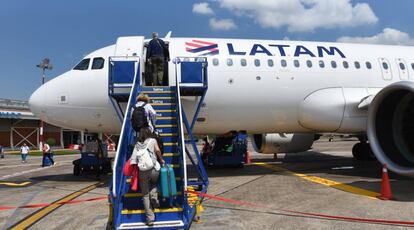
{"type": "Point", "coordinates": [157, 54]}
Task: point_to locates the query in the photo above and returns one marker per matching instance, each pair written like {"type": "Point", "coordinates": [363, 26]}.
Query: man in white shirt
{"type": "Point", "coordinates": [24, 150]}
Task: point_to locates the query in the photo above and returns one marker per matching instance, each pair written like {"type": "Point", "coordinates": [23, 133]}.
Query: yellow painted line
{"type": "Point", "coordinates": [132, 195]}
{"type": "Point", "coordinates": [166, 118]}
{"type": "Point", "coordinates": [165, 126]}
{"type": "Point", "coordinates": [157, 210]}
{"type": "Point", "coordinates": [15, 184]}
{"type": "Point", "coordinates": [168, 134]}
{"type": "Point", "coordinates": [26, 223]}
{"type": "Point", "coordinates": [170, 144]}
{"type": "Point", "coordinates": [171, 155]}
{"type": "Point", "coordinates": [323, 181]}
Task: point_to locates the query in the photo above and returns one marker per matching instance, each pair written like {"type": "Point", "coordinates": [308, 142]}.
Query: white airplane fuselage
{"type": "Point", "coordinates": [258, 98]}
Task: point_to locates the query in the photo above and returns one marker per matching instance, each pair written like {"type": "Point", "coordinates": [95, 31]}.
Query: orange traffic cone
{"type": "Point", "coordinates": [385, 185]}
{"type": "Point", "coordinates": [248, 161]}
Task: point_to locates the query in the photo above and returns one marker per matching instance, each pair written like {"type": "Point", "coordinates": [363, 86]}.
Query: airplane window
{"type": "Point", "coordinates": [270, 62]}
{"type": "Point", "coordinates": [412, 65]}
{"type": "Point", "coordinates": [333, 64]}
{"type": "Point", "coordinates": [243, 62]}
{"type": "Point", "coordinates": [257, 62]}
{"type": "Point", "coordinates": [98, 63]}
{"type": "Point", "coordinates": [357, 65]}
{"type": "Point", "coordinates": [368, 64]}
{"type": "Point", "coordinates": [215, 62]}
{"type": "Point", "coordinates": [83, 65]}
{"type": "Point", "coordinates": [296, 63]}
{"type": "Point", "coordinates": [229, 62]}
{"type": "Point", "coordinates": [346, 65]}
{"type": "Point", "coordinates": [283, 63]}
{"type": "Point", "coordinates": [402, 66]}
{"type": "Point", "coordinates": [385, 65]}
{"type": "Point", "coordinates": [321, 64]}
{"type": "Point", "coordinates": [309, 63]}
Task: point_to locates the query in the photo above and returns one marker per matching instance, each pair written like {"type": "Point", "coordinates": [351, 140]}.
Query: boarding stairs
{"type": "Point", "coordinates": [126, 209]}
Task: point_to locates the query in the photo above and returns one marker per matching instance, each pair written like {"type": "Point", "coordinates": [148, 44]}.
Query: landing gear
{"type": "Point", "coordinates": [362, 151]}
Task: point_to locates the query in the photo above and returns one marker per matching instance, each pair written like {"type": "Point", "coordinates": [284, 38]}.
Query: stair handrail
{"type": "Point", "coordinates": [116, 188]}
{"type": "Point", "coordinates": [180, 124]}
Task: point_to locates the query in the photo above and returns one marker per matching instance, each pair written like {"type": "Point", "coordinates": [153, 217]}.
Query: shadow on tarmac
{"type": "Point", "coordinates": [338, 168]}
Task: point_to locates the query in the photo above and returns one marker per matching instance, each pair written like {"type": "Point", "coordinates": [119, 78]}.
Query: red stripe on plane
{"type": "Point", "coordinates": [203, 42]}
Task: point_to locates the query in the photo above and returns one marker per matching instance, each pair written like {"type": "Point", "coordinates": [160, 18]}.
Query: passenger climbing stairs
{"type": "Point", "coordinates": [127, 210]}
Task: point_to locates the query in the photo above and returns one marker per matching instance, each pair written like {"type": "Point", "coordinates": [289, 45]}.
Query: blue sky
{"type": "Point", "coordinates": [65, 31]}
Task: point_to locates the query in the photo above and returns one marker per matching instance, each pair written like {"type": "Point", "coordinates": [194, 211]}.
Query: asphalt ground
{"type": "Point", "coordinates": [325, 180]}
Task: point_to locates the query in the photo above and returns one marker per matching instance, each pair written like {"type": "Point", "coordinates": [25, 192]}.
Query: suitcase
{"type": "Point", "coordinates": [168, 187]}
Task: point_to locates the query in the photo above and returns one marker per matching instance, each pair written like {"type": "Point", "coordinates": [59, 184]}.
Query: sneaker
{"type": "Point", "coordinates": [150, 222]}
{"type": "Point", "coordinates": [155, 203]}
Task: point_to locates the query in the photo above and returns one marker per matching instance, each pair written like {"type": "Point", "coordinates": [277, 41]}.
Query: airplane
{"type": "Point", "coordinates": [281, 92]}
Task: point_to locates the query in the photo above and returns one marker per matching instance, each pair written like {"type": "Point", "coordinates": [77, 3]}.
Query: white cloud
{"type": "Point", "coordinates": [222, 24]}
{"type": "Point", "coordinates": [302, 15]}
{"type": "Point", "coordinates": [202, 8]}
{"type": "Point", "coordinates": [388, 36]}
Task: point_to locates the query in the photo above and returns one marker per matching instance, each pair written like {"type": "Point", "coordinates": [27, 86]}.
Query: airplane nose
{"type": "Point", "coordinates": [37, 102]}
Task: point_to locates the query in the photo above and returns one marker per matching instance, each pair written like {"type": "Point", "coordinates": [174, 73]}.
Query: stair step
{"type": "Point", "coordinates": [165, 110]}
{"type": "Point", "coordinates": [157, 210]}
{"type": "Point", "coordinates": [171, 154]}
{"type": "Point", "coordinates": [162, 104]}
{"type": "Point", "coordinates": [166, 118]}
{"type": "Point", "coordinates": [161, 98]}
{"type": "Point", "coordinates": [166, 126]}
{"type": "Point", "coordinates": [174, 224]}
{"type": "Point", "coordinates": [157, 88]}
{"type": "Point", "coordinates": [158, 92]}
{"type": "Point", "coordinates": [168, 134]}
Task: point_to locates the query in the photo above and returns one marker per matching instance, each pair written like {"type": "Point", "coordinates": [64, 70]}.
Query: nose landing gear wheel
{"type": "Point", "coordinates": [363, 152]}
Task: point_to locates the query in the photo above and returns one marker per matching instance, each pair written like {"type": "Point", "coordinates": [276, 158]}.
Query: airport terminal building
{"type": "Point", "coordinates": [18, 125]}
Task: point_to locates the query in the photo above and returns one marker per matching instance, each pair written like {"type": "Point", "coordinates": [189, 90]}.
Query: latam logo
{"type": "Point", "coordinates": [202, 48]}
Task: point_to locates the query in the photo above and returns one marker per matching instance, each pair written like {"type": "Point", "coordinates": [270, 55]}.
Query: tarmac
{"type": "Point", "coordinates": [325, 180]}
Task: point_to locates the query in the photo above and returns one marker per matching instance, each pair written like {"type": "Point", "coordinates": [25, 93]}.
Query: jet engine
{"type": "Point", "coordinates": [282, 143]}
{"type": "Point", "coordinates": [390, 127]}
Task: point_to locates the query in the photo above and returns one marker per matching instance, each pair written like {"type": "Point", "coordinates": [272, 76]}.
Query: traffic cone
{"type": "Point", "coordinates": [385, 185]}
{"type": "Point", "coordinates": [248, 161]}
{"type": "Point", "coordinates": [275, 156]}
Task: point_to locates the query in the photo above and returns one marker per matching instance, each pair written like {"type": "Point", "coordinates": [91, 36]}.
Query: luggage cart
{"type": "Point", "coordinates": [91, 161]}
{"type": "Point", "coordinates": [229, 152]}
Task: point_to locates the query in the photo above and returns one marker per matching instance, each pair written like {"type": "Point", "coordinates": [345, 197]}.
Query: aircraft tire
{"type": "Point", "coordinates": [363, 152]}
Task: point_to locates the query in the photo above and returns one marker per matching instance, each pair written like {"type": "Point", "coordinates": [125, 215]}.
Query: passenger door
{"type": "Point", "coordinates": [402, 68]}
{"type": "Point", "coordinates": [385, 68]}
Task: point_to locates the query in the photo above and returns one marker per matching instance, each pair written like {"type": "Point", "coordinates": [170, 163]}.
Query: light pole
{"type": "Point", "coordinates": [44, 65]}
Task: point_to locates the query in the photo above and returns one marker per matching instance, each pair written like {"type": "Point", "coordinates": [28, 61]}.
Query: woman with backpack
{"type": "Point", "coordinates": [145, 155]}
{"type": "Point", "coordinates": [143, 114]}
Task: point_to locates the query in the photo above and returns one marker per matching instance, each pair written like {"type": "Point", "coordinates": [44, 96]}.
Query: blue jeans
{"type": "Point", "coordinates": [24, 156]}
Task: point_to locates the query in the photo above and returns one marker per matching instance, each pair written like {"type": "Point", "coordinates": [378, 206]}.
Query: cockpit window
{"type": "Point", "coordinates": [83, 65]}
{"type": "Point", "coordinates": [98, 63]}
